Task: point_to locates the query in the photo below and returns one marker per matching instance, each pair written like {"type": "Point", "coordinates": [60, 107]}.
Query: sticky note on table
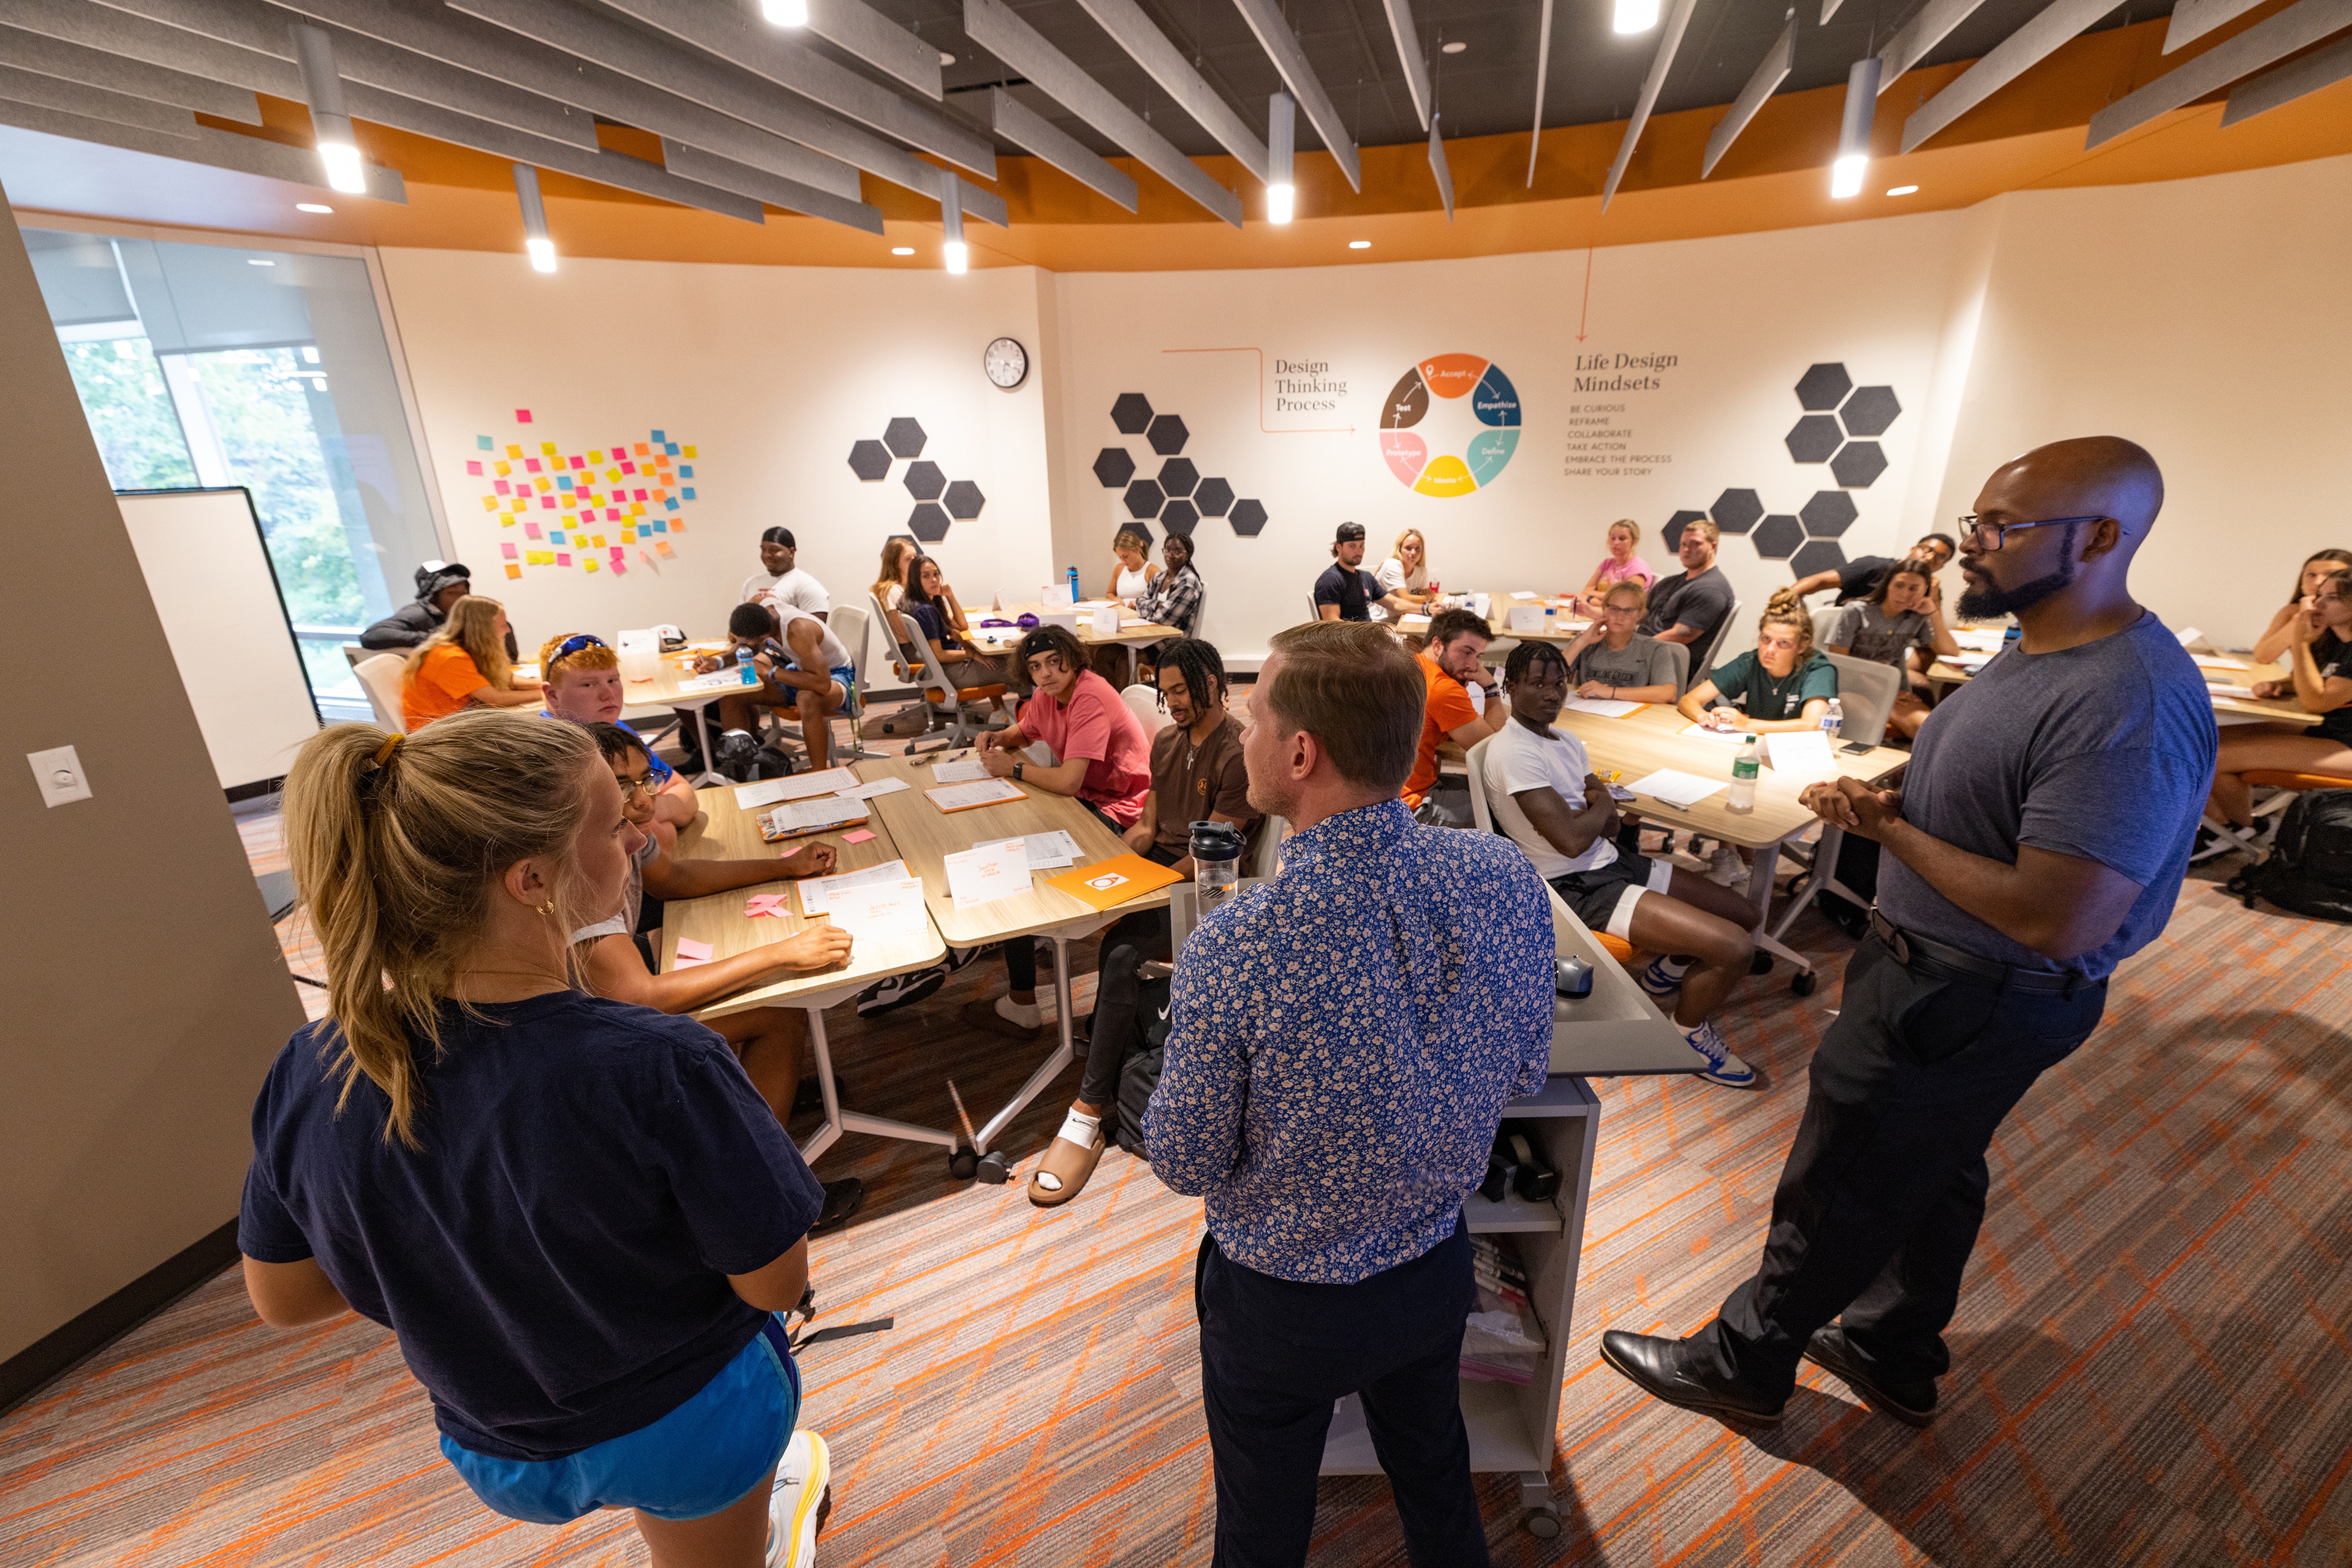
{"type": "Point", "coordinates": [689, 953]}
{"type": "Point", "coordinates": [860, 837]}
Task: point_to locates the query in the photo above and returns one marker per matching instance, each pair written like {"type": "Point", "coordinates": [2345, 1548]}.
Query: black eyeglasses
{"type": "Point", "coordinates": [1986, 536]}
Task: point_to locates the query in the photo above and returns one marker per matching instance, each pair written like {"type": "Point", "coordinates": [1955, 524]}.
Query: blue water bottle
{"type": "Point", "coordinates": [1073, 585]}
{"type": "Point", "coordinates": [2013, 637]}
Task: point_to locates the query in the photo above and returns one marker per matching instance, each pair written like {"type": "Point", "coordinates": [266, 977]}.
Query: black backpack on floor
{"type": "Point", "coordinates": [2309, 868]}
{"type": "Point", "coordinates": [1139, 1071]}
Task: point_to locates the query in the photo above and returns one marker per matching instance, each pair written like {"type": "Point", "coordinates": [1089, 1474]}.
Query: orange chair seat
{"type": "Point", "coordinates": [964, 693]}
{"type": "Point", "coordinates": [2274, 780]}
{"type": "Point", "coordinates": [1616, 947]}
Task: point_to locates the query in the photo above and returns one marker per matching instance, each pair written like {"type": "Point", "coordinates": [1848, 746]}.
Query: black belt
{"type": "Point", "coordinates": [1929, 956]}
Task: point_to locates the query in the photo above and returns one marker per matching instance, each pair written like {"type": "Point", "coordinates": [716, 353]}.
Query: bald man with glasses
{"type": "Point", "coordinates": [2038, 839]}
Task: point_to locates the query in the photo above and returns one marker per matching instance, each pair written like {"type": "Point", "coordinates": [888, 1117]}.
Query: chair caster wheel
{"type": "Point", "coordinates": [1761, 964]}
{"type": "Point", "coordinates": [962, 1163]}
{"type": "Point", "coordinates": [1803, 982]}
{"type": "Point", "coordinates": [994, 1168]}
{"type": "Point", "coordinates": [1543, 1523]}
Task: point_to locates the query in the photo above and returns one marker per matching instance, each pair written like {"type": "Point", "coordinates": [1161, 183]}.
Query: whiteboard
{"type": "Point", "coordinates": [216, 594]}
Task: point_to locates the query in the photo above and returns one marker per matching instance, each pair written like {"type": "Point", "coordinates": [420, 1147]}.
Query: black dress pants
{"type": "Point", "coordinates": [1276, 1355]}
{"type": "Point", "coordinates": [1879, 1207]}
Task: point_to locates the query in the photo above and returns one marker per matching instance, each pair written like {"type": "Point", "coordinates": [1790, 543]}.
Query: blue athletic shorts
{"type": "Point", "coordinates": [693, 1463]}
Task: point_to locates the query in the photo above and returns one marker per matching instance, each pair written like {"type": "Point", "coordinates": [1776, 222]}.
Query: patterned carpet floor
{"type": "Point", "coordinates": [2153, 1353]}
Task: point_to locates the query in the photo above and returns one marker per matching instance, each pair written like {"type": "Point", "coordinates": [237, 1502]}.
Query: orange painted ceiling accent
{"type": "Point", "coordinates": [2028, 136]}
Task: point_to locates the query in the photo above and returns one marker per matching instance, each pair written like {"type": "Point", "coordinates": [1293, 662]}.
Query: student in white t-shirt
{"type": "Point", "coordinates": [1405, 574]}
{"type": "Point", "coordinates": [1546, 797]}
{"type": "Point", "coordinates": [783, 582]}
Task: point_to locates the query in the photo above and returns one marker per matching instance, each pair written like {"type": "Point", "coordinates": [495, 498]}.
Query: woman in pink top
{"type": "Point", "coordinates": [1619, 565]}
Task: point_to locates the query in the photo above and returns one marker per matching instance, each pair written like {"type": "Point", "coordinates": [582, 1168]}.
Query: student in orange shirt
{"type": "Point", "coordinates": [1450, 670]}
{"type": "Point", "coordinates": [463, 664]}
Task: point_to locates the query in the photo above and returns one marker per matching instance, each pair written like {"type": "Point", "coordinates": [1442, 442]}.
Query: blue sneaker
{"type": "Point", "coordinates": [1722, 1067]}
{"type": "Point", "coordinates": [1658, 980]}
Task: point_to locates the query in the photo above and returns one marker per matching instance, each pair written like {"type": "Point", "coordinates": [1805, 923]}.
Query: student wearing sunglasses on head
{"type": "Point", "coordinates": [579, 676]}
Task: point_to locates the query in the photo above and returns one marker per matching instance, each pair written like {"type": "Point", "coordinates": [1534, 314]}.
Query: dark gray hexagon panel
{"type": "Point", "coordinates": [1143, 498]}
{"type": "Point", "coordinates": [1813, 438]}
{"type": "Point", "coordinates": [1143, 527]}
{"type": "Point", "coordinates": [1828, 513]}
{"type": "Point", "coordinates": [904, 437]}
{"type": "Point", "coordinates": [1777, 537]}
{"type": "Point", "coordinates": [1817, 555]}
{"type": "Point", "coordinates": [925, 481]}
{"type": "Point", "coordinates": [1214, 497]}
{"type": "Point", "coordinates": [1178, 476]}
{"type": "Point", "coordinates": [1247, 519]}
{"type": "Point", "coordinates": [1178, 516]}
{"type": "Point", "coordinates": [1736, 512]}
{"type": "Point", "coordinates": [1822, 388]}
{"type": "Point", "coordinates": [869, 460]}
{"type": "Point", "coordinates": [1673, 532]}
{"type": "Point", "coordinates": [1869, 410]}
{"type": "Point", "coordinates": [963, 500]}
{"type": "Point", "coordinates": [1131, 413]}
{"type": "Point", "coordinates": [1169, 435]}
{"type": "Point", "coordinates": [928, 522]}
{"type": "Point", "coordinates": [1858, 464]}
{"type": "Point", "coordinates": [1114, 467]}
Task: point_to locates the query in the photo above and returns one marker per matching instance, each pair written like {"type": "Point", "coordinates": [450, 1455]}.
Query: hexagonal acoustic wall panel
{"type": "Point", "coordinates": [1777, 537]}
{"type": "Point", "coordinates": [1143, 498]}
{"type": "Point", "coordinates": [1131, 413]}
{"type": "Point", "coordinates": [1114, 467]}
{"type": "Point", "coordinates": [870, 461]}
{"type": "Point", "coordinates": [924, 481]}
{"type": "Point", "coordinates": [1178, 476]}
{"type": "Point", "coordinates": [1169, 435]}
{"type": "Point", "coordinates": [1822, 388]}
{"type": "Point", "coordinates": [1673, 532]}
{"type": "Point", "coordinates": [1214, 497]}
{"type": "Point", "coordinates": [1178, 516]}
{"type": "Point", "coordinates": [1858, 464]}
{"type": "Point", "coordinates": [1828, 513]}
{"type": "Point", "coordinates": [1869, 410]}
{"type": "Point", "coordinates": [904, 437]}
{"type": "Point", "coordinates": [1247, 518]}
{"type": "Point", "coordinates": [963, 500]}
{"type": "Point", "coordinates": [1813, 438]}
{"type": "Point", "coordinates": [927, 522]}
{"type": "Point", "coordinates": [1736, 512]}
{"type": "Point", "coordinates": [1816, 555]}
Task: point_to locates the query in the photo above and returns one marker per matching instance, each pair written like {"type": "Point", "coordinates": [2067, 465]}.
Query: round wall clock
{"type": "Point", "coordinates": [1006, 362]}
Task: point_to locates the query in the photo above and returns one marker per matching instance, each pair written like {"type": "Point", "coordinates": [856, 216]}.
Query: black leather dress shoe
{"type": "Point", "coordinates": [1913, 1404]}
{"type": "Point", "coordinates": [1665, 1369]}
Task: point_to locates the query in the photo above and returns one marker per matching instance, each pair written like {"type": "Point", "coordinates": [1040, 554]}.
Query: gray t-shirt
{"type": "Point", "coordinates": [1684, 600]}
{"type": "Point", "coordinates": [1644, 661]}
{"type": "Point", "coordinates": [1866, 631]}
{"type": "Point", "coordinates": [2103, 751]}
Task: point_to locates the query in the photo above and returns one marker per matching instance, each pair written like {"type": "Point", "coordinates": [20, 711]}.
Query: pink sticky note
{"type": "Point", "coordinates": [619, 567]}
{"type": "Point", "coordinates": [523, 416]}
{"type": "Point", "coordinates": [618, 553]}
{"type": "Point", "coordinates": [860, 837]}
{"type": "Point", "coordinates": [690, 952]}
{"type": "Point", "coordinates": [531, 464]}
{"type": "Point", "coordinates": [474, 468]}
{"type": "Point", "coordinates": [507, 550]}
{"type": "Point", "coordinates": [530, 529]}
{"type": "Point", "coordinates": [563, 557]}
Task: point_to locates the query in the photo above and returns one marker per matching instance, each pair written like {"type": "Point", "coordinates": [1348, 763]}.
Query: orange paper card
{"type": "Point", "coordinates": [1113, 882]}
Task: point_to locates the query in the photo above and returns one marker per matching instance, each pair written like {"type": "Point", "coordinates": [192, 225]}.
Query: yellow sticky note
{"type": "Point", "coordinates": [540, 557]}
{"type": "Point", "coordinates": [547, 449]}
{"type": "Point", "coordinates": [513, 571]}
{"type": "Point", "coordinates": [689, 453]}
{"type": "Point", "coordinates": [588, 561]}
{"type": "Point", "coordinates": [599, 541]}
{"type": "Point", "coordinates": [570, 500]}
{"type": "Point", "coordinates": [628, 536]}
{"type": "Point", "coordinates": [508, 521]}
{"type": "Point", "coordinates": [612, 475]}
{"type": "Point", "coordinates": [595, 455]}
{"type": "Point", "coordinates": [504, 469]}
{"type": "Point", "coordinates": [513, 451]}
{"type": "Point", "coordinates": [543, 482]}
{"type": "Point", "coordinates": [636, 509]}
{"type": "Point", "coordinates": [489, 503]}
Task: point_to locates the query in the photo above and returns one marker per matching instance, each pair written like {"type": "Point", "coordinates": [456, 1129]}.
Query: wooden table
{"type": "Point", "coordinates": [662, 691]}
{"type": "Point", "coordinates": [725, 831]}
{"type": "Point", "coordinates": [926, 836]}
{"type": "Point", "coordinates": [1564, 626]}
{"type": "Point", "coordinates": [2226, 710]}
{"type": "Point", "coordinates": [1001, 639]}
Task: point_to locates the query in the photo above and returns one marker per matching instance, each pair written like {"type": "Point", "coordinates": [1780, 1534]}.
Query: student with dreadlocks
{"type": "Point", "coordinates": [1196, 777]}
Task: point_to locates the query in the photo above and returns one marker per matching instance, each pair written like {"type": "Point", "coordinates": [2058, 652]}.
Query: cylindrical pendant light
{"type": "Point", "coordinates": [534, 219]}
{"type": "Point", "coordinates": [1281, 192]}
{"type": "Point", "coordinates": [1853, 136]}
{"type": "Point", "coordinates": [339, 149]}
{"type": "Point", "coordinates": [952, 252]}
{"type": "Point", "coordinates": [785, 13]}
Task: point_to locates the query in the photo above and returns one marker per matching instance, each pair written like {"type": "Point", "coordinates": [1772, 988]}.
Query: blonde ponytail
{"type": "Point", "coordinates": [397, 846]}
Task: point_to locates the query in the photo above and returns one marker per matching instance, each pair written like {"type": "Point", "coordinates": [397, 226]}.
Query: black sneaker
{"type": "Point", "coordinates": [842, 1199]}
{"type": "Point", "coordinates": [897, 991]}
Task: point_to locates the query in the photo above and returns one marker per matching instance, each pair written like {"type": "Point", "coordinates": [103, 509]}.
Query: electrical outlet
{"type": "Point", "coordinates": [60, 774]}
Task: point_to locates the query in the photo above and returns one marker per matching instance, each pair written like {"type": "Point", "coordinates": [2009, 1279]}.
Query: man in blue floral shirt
{"type": "Point", "coordinates": [1342, 1042]}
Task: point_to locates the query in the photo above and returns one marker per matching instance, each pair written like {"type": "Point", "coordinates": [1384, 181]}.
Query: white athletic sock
{"type": "Point", "coordinates": [1080, 1128]}
{"type": "Point", "coordinates": [1675, 967]}
{"type": "Point", "coordinates": [1028, 1014]}
{"type": "Point", "coordinates": [1690, 1030]}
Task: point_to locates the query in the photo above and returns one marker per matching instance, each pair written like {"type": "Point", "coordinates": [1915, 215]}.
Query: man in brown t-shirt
{"type": "Point", "coordinates": [1197, 775]}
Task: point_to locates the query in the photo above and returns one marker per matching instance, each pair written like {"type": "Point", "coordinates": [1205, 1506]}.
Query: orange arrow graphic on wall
{"type": "Point", "coordinates": [1263, 426]}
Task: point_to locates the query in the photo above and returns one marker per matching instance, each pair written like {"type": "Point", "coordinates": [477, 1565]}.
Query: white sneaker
{"type": "Point", "coordinates": [797, 1506]}
{"type": "Point", "coordinates": [1726, 867]}
{"type": "Point", "coordinates": [1721, 1067]}
{"type": "Point", "coordinates": [1658, 979]}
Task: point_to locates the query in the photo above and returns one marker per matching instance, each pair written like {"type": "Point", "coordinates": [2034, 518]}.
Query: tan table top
{"type": "Point", "coordinates": [662, 690]}
{"type": "Point", "coordinates": [926, 836]}
{"type": "Point", "coordinates": [2285, 710]}
{"type": "Point", "coordinates": [724, 831]}
{"type": "Point", "coordinates": [1565, 625]}
{"type": "Point", "coordinates": [1001, 639]}
{"type": "Point", "coordinates": [1643, 742]}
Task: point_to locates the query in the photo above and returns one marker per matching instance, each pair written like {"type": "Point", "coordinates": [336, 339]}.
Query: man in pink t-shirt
{"type": "Point", "coordinates": [1106, 759]}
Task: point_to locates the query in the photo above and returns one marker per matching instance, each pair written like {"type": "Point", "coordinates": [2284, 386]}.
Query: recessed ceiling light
{"type": "Point", "coordinates": [312, 207]}
{"type": "Point", "coordinates": [902, 250]}
{"type": "Point", "coordinates": [1456, 47]}
{"type": "Point", "coordinates": [258, 261]}
{"type": "Point", "coordinates": [1902, 190]}
{"type": "Point", "coordinates": [946, 58]}
{"type": "Point", "coordinates": [1359, 245]}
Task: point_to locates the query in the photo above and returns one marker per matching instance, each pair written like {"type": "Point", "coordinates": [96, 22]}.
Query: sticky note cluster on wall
{"type": "Point", "coordinates": [638, 484]}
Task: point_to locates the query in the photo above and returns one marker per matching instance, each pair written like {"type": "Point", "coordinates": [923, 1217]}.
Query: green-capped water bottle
{"type": "Point", "coordinates": [1747, 764]}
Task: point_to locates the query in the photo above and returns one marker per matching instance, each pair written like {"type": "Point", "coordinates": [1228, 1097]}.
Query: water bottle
{"type": "Point", "coordinates": [1746, 764]}
{"type": "Point", "coordinates": [1216, 863]}
{"type": "Point", "coordinates": [1073, 585]}
{"type": "Point", "coordinates": [1833, 722]}
{"type": "Point", "coordinates": [2013, 637]}
{"type": "Point", "coordinates": [744, 653]}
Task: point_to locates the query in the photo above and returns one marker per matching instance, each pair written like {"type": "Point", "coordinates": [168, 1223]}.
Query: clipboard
{"type": "Point", "coordinates": [1106, 884]}
{"type": "Point", "coordinates": [796, 819]}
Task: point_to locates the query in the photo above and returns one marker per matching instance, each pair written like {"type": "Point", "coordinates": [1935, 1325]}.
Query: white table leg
{"type": "Point", "coordinates": [839, 1120]}
{"type": "Point", "coordinates": [1065, 1052]}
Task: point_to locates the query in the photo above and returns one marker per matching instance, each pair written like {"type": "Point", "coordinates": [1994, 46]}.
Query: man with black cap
{"type": "Point", "coordinates": [1346, 591]}
{"type": "Point", "coordinates": [439, 584]}
{"type": "Point", "coordinates": [781, 582]}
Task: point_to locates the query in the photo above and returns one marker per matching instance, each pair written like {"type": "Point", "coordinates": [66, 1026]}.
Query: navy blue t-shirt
{"type": "Point", "coordinates": [554, 1258]}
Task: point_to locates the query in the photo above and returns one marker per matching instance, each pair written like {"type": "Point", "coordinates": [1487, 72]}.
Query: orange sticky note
{"type": "Point", "coordinates": [513, 571]}
{"type": "Point", "coordinates": [641, 449]}
{"type": "Point", "coordinates": [661, 546]}
{"type": "Point", "coordinates": [676, 527]}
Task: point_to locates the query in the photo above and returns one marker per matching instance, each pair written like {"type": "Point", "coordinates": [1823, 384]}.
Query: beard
{"type": "Point", "coordinates": [1983, 603]}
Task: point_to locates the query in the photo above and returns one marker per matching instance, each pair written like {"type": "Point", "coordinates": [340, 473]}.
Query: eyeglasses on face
{"type": "Point", "coordinates": [1985, 537]}
{"type": "Point", "coordinates": [643, 784]}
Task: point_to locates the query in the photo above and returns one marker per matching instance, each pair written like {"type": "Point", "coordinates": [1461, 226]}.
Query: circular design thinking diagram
{"type": "Point", "coordinates": [1487, 425]}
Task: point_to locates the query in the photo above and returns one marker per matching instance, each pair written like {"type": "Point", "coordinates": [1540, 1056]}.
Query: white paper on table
{"type": "Point", "coordinates": [1047, 851]}
{"type": "Point", "coordinates": [1523, 593]}
{"type": "Point", "coordinates": [1801, 753]}
{"type": "Point", "coordinates": [962, 772]}
{"type": "Point", "coordinates": [1058, 596]}
{"type": "Point", "coordinates": [814, 813]}
{"type": "Point", "coordinates": [798, 787]}
{"type": "Point", "coordinates": [979, 792]}
{"type": "Point", "coordinates": [1413, 623]}
{"type": "Point", "coordinates": [818, 893]}
{"type": "Point", "coordinates": [1105, 622]}
{"type": "Point", "coordinates": [1603, 707]}
{"type": "Point", "coordinates": [2243, 694]}
{"type": "Point", "coordinates": [1676, 788]}
{"type": "Point", "coordinates": [2215, 661]}
{"type": "Point", "coordinates": [766, 792]}
{"type": "Point", "coordinates": [1124, 622]}
{"type": "Point", "coordinates": [989, 873]}
{"type": "Point", "coordinates": [1703, 733]}
{"type": "Point", "coordinates": [880, 787]}
{"type": "Point", "coordinates": [717, 681]}
{"type": "Point", "coordinates": [2187, 634]}
{"type": "Point", "coordinates": [1525, 617]}
{"type": "Point", "coordinates": [1983, 639]}
{"type": "Point", "coordinates": [1972, 662]}
{"type": "Point", "coordinates": [1094, 604]}
{"type": "Point", "coordinates": [881, 909]}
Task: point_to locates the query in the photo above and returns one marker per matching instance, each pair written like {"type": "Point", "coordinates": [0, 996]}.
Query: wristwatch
{"type": "Point", "coordinates": [1016, 770]}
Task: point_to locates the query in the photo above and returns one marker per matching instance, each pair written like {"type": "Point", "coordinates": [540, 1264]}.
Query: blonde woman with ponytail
{"type": "Point", "coordinates": [578, 1216]}
{"type": "Point", "coordinates": [463, 664]}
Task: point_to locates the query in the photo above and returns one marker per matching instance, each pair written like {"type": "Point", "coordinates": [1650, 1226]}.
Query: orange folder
{"type": "Point", "coordinates": [1113, 882]}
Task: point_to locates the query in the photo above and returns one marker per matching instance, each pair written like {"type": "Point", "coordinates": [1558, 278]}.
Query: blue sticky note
{"type": "Point", "coordinates": [659, 436]}
{"type": "Point", "coordinates": [670, 505]}
{"type": "Point", "coordinates": [556, 535]}
{"type": "Point", "coordinates": [685, 470]}
{"type": "Point", "coordinates": [563, 481]}
{"type": "Point", "coordinates": [670, 447]}
{"type": "Point", "coordinates": [690, 492]}
{"type": "Point", "coordinates": [482, 443]}
{"type": "Point", "coordinates": [658, 525]}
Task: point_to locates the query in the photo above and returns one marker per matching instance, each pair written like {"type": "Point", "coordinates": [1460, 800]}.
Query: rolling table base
{"type": "Point", "coordinates": [839, 1120]}
{"type": "Point", "coordinates": [1066, 1049]}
